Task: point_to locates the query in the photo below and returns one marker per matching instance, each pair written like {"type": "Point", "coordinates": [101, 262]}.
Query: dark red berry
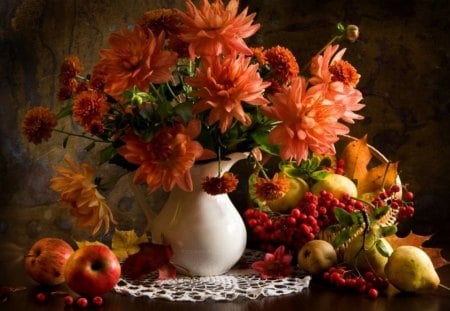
{"type": "Point", "coordinates": [68, 300]}
{"type": "Point", "coordinates": [373, 293]}
{"type": "Point", "coordinates": [41, 297]}
{"type": "Point", "coordinates": [409, 196]}
{"type": "Point", "coordinates": [82, 302]}
{"type": "Point", "coordinates": [97, 300]}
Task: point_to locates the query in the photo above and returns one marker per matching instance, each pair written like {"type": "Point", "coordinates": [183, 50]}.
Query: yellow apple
{"type": "Point", "coordinates": [297, 189]}
{"type": "Point", "coordinates": [338, 185]}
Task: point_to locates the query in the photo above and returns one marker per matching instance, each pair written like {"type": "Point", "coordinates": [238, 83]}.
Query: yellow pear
{"type": "Point", "coordinates": [316, 256]}
{"type": "Point", "coordinates": [337, 184]}
{"type": "Point", "coordinates": [369, 259]}
{"type": "Point", "coordinates": [410, 269]}
{"type": "Point", "coordinates": [297, 189]}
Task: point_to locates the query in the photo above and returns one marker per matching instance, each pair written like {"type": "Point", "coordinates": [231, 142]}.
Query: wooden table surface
{"type": "Point", "coordinates": [317, 297]}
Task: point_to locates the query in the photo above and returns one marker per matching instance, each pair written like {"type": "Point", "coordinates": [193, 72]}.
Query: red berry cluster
{"type": "Point", "coordinates": [340, 167]}
{"type": "Point", "coordinates": [312, 214]}
{"type": "Point", "coordinates": [405, 205]}
{"type": "Point", "coordinates": [368, 283]}
{"type": "Point", "coordinates": [82, 302]}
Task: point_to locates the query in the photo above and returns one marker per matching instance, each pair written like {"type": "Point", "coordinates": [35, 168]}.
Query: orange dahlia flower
{"type": "Point", "coordinates": [337, 79]}
{"type": "Point", "coordinates": [213, 29]}
{"type": "Point", "coordinates": [135, 58]}
{"type": "Point", "coordinates": [76, 188]}
{"type": "Point", "coordinates": [38, 124]}
{"type": "Point", "coordinates": [308, 121]}
{"type": "Point", "coordinates": [223, 84]}
{"type": "Point", "coordinates": [88, 110]}
{"type": "Point", "coordinates": [218, 185]}
{"type": "Point", "coordinates": [167, 158]}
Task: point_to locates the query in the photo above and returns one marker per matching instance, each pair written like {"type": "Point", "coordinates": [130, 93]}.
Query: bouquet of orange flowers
{"type": "Point", "coordinates": [183, 86]}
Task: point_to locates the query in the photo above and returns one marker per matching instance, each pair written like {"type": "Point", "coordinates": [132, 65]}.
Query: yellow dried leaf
{"type": "Point", "coordinates": [81, 244]}
{"type": "Point", "coordinates": [126, 243]}
{"type": "Point", "coordinates": [383, 175]}
{"type": "Point", "coordinates": [356, 157]}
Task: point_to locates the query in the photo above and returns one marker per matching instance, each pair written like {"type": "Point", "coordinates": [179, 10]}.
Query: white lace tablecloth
{"type": "Point", "coordinates": [238, 282]}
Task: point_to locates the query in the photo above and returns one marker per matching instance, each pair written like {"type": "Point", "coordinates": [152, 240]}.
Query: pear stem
{"type": "Point", "coordinates": [444, 287]}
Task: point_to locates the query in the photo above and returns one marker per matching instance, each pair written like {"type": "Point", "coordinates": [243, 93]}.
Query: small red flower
{"type": "Point", "coordinates": [276, 265]}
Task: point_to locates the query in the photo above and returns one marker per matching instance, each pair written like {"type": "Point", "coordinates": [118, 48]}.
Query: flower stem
{"type": "Point", "coordinates": [323, 49]}
{"type": "Point", "coordinates": [80, 135]}
{"type": "Point", "coordinates": [261, 168]}
{"type": "Point", "coordinates": [162, 100]}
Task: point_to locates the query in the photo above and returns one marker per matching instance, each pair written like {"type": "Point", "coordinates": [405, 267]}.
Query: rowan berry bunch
{"type": "Point", "coordinates": [366, 283]}
{"type": "Point", "coordinates": [397, 200]}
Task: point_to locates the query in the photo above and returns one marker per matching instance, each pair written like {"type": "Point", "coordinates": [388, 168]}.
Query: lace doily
{"type": "Point", "coordinates": [238, 282]}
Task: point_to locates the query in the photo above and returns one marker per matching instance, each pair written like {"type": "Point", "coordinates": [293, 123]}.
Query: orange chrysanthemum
{"type": "Point", "coordinates": [343, 71]}
{"type": "Point", "coordinates": [160, 20]}
{"type": "Point", "coordinates": [167, 159]}
{"type": "Point", "coordinates": [70, 68]}
{"type": "Point", "coordinates": [219, 185]}
{"type": "Point", "coordinates": [282, 62]}
{"type": "Point", "coordinates": [77, 190]}
{"type": "Point", "coordinates": [223, 84]}
{"type": "Point", "coordinates": [38, 124]}
{"type": "Point", "coordinates": [213, 29]}
{"type": "Point", "coordinates": [271, 189]}
{"type": "Point", "coordinates": [89, 108]}
{"type": "Point", "coordinates": [308, 121]}
{"type": "Point", "coordinates": [135, 58]}
{"type": "Point", "coordinates": [260, 55]}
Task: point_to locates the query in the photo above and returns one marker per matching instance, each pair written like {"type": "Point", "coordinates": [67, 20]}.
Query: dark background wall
{"type": "Point", "coordinates": [402, 55]}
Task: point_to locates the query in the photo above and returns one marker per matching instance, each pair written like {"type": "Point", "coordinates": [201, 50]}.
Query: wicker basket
{"type": "Point", "coordinates": [389, 219]}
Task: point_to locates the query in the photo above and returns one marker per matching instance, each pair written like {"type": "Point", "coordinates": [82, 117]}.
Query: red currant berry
{"type": "Point", "coordinates": [41, 297]}
{"type": "Point", "coordinates": [409, 196]}
{"type": "Point", "coordinates": [82, 302]}
{"type": "Point", "coordinates": [395, 188]}
{"type": "Point", "coordinates": [373, 293]}
{"type": "Point", "coordinates": [68, 300]}
{"type": "Point", "coordinates": [97, 300]}
{"type": "Point", "coordinates": [295, 213]}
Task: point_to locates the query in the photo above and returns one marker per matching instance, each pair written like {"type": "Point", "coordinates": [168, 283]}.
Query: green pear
{"type": "Point", "coordinates": [297, 189]}
{"type": "Point", "coordinates": [337, 184]}
{"type": "Point", "coordinates": [369, 259]}
{"type": "Point", "coordinates": [410, 269]}
{"type": "Point", "coordinates": [316, 256]}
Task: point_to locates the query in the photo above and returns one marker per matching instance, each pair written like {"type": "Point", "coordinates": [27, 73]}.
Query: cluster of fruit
{"type": "Point", "coordinates": [366, 283]}
{"type": "Point", "coordinates": [90, 271]}
{"type": "Point", "coordinates": [312, 214]}
{"type": "Point", "coordinates": [397, 200]}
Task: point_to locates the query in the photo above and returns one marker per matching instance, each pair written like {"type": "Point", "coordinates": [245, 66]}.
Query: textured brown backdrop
{"type": "Point", "coordinates": [402, 55]}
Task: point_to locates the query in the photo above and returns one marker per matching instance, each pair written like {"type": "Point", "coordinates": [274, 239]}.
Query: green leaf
{"type": "Point", "coordinates": [319, 175]}
{"type": "Point", "coordinates": [184, 110]}
{"type": "Point", "coordinates": [343, 217]}
{"type": "Point", "coordinates": [107, 154]}
{"type": "Point", "coordinates": [261, 139]}
{"type": "Point", "coordinates": [314, 163]}
{"type": "Point", "coordinates": [357, 217]}
{"type": "Point", "coordinates": [90, 146]}
{"type": "Point", "coordinates": [65, 111]}
{"type": "Point", "coordinates": [387, 230]}
{"type": "Point", "coordinates": [380, 212]}
{"type": "Point", "coordinates": [341, 238]}
{"type": "Point", "coordinates": [382, 248]}
{"type": "Point", "coordinates": [326, 162]}
{"type": "Point", "coordinates": [340, 27]}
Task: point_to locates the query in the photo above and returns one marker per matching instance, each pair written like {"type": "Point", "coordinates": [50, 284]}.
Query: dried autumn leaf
{"type": "Point", "coordinates": [413, 239]}
{"type": "Point", "coordinates": [83, 243]}
{"type": "Point", "coordinates": [126, 243]}
{"type": "Point", "coordinates": [357, 156]}
{"type": "Point", "coordinates": [383, 175]}
{"type": "Point", "coordinates": [151, 257]}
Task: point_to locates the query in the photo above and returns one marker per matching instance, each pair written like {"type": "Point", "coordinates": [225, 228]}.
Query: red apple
{"type": "Point", "coordinates": [92, 270]}
{"type": "Point", "coordinates": [46, 259]}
